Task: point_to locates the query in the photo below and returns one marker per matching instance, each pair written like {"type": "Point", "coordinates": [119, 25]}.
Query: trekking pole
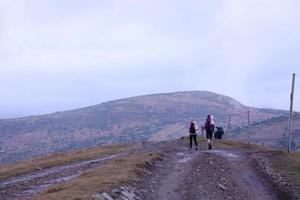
{"type": "Point", "coordinates": [229, 119]}
{"type": "Point", "coordinates": [291, 112]}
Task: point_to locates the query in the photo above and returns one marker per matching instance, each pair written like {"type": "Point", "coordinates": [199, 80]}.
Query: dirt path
{"type": "Point", "coordinates": [205, 174]}
{"type": "Point", "coordinates": [25, 186]}
{"type": "Point", "coordinates": [183, 174]}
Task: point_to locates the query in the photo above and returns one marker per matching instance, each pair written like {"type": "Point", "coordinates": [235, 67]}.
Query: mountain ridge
{"type": "Point", "coordinates": [151, 117]}
{"type": "Point", "coordinates": [275, 132]}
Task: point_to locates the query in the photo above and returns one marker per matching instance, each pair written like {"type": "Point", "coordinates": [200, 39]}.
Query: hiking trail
{"type": "Point", "coordinates": [182, 174]}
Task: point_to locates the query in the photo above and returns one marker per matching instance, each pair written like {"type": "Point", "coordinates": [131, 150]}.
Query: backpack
{"type": "Point", "coordinates": [221, 130]}
{"type": "Point", "coordinates": [209, 126]}
{"type": "Point", "coordinates": [192, 127]}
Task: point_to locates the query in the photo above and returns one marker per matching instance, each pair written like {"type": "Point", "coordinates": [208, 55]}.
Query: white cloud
{"type": "Point", "coordinates": [146, 46]}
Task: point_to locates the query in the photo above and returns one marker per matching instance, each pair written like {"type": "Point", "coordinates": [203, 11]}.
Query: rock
{"type": "Point", "coordinates": [222, 187]}
{"type": "Point", "coordinates": [128, 195]}
{"type": "Point", "coordinates": [138, 192]}
{"type": "Point", "coordinates": [224, 180]}
{"type": "Point", "coordinates": [97, 197]}
{"type": "Point", "coordinates": [39, 168]}
{"type": "Point", "coordinates": [116, 191]}
{"type": "Point", "coordinates": [284, 183]}
{"type": "Point", "coordinates": [123, 198]}
{"type": "Point", "coordinates": [131, 188]}
{"type": "Point", "coordinates": [123, 188]}
{"type": "Point", "coordinates": [106, 196]}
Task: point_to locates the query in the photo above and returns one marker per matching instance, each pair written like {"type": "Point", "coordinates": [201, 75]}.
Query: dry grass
{"type": "Point", "coordinates": [15, 169]}
{"type": "Point", "coordinates": [104, 178]}
{"type": "Point", "coordinates": [230, 144]}
{"type": "Point", "coordinates": [219, 143]}
{"type": "Point", "coordinates": [289, 163]}
{"type": "Point", "coordinates": [202, 142]}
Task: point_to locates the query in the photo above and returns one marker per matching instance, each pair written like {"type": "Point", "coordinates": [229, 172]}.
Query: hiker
{"type": "Point", "coordinates": [193, 133]}
{"type": "Point", "coordinates": [219, 133]}
{"type": "Point", "coordinates": [209, 128]}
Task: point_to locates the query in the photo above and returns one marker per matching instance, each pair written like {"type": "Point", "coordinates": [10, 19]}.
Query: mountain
{"type": "Point", "coordinates": [143, 118]}
{"type": "Point", "coordinates": [272, 132]}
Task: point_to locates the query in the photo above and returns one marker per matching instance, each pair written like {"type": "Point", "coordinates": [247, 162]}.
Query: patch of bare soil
{"type": "Point", "coordinates": [204, 174]}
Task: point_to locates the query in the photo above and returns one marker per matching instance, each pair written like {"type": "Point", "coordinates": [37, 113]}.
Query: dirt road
{"type": "Point", "coordinates": [24, 187]}
{"type": "Point", "coordinates": [205, 174]}
{"type": "Point", "coordinates": [182, 174]}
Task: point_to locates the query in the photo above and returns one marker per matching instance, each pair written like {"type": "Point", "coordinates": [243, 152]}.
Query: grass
{"type": "Point", "coordinates": [19, 168]}
{"type": "Point", "coordinates": [102, 179]}
{"type": "Point", "coordinates": [289, 163]}
{"type": "Point", "coordinates": [202, 142]}
{"type": "Point", "coordinates": [230, 144]}
{"type": "Point", "coordinates": [293, 167]}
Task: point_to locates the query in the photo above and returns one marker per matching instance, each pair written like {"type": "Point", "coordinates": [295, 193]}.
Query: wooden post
{"type": "Point", "coordinates": [228, 126]}
{"type": "Point", "coordinates": [291, 112]}
{"type": "Point", "coordinates": [248, 127]}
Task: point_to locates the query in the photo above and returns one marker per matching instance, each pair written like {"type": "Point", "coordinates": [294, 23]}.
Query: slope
{"type": "Point", "coordinates": [151, 117]}
{"type": "Point", "coordinates": [272, 132]}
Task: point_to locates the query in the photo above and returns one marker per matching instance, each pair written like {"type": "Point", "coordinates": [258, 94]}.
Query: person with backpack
{"type": "Point", "coordinates": [209, 129]}
{"type": "Point", "coordinates": [193, 133]}
{"type": "Point", "coordinates": [220, 132]}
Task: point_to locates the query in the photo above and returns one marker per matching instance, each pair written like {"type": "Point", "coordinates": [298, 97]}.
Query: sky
{"type": "Point", "coordinates": [58, 55]}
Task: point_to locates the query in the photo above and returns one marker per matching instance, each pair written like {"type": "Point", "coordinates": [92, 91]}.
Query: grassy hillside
{"type": "Point", "coordinates": [272, 132]}
{"type": "Point", "coordinates": [151, 117]}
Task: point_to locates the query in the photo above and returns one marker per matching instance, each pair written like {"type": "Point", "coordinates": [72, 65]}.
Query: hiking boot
{"type": "Point", "coordinates": [196, 148]}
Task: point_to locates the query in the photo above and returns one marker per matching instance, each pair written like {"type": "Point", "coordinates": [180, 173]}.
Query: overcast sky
{"type": "Point", "coordinates": [58, 55]}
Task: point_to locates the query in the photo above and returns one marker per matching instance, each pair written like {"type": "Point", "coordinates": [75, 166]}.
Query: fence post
{"type": "Point", "coordinates": [248, 127]}
{"type": "Point", "coordinates": [291, 112]}
{"type": "Point", "coordinates": [228, 126]}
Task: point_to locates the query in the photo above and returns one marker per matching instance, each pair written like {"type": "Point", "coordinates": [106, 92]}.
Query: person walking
{"type": "Point", "coordinates": [193, 133]}
{"type": "Point", "coordinates": [219, 133]}
{"type": "Point", "coordinates": [209, 128]}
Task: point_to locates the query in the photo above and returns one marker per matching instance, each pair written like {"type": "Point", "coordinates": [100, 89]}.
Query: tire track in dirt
{"type": "Point", "coordinates": [25, 186]}
{"type": "Point", "coordinates": [204, 174]}
{"type": "Point", "coordinates": [29, 184]}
